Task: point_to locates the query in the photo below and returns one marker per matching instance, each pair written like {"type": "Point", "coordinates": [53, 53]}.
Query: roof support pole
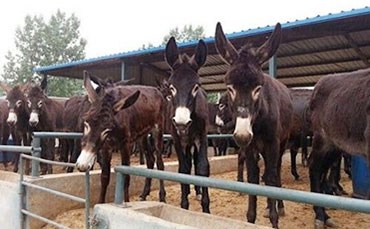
{"type": "Point", "coordinates": [273, 66]}
{"type": "Point", "coordinates": [123, 71]}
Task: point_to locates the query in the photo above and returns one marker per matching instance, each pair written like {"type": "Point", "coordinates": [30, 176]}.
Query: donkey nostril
{"type": "Point", "coordinates": [189, 123]}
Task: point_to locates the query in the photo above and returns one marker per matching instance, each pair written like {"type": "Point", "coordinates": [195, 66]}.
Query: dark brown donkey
{"type": "Point", "coordinates": [262, 108]}
{"type": "Point", "coordinates": [300, 129]}
{"type": "Point", "coordinates": [17, 118]}
{"type": "Point", "coordinates": [189, 114]}
{"type": "Point", "coordinates": [4, 128]}
{"type": "Point", "coordinates": [117, 118]}
{"type": "Point", "coordinates": [340, 116]}
{"type": "Point", "coordinates": [46, 115]}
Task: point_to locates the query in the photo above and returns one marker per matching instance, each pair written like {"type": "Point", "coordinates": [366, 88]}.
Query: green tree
{"type": "Point", "coordinates": [41, 43]}
{"type": "Point", "coordinates": [188, 33]}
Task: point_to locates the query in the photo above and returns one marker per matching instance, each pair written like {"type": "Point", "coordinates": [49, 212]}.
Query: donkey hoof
{"type": "Point", "coordinates": [199, 197]}
{"type": "Point", "coordinates": [330, 223]}
{"type": "Point", "coordinates": [318, 224]}
{"type": "Point", "coordinates": [266, 213]}
{"type": "Point", "coordinates": [281, 211]}
{"type": "Point", "coordinates": [141, 198]}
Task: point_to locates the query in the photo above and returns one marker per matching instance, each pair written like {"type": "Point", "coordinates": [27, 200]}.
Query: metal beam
{"type": "Point", "coordinates": [273, 66]}
{"type": "Point", "coordinates": [123, 71]}
{"type": "Point", "coordinates": [357, 49]}
{"type": "Point", "coordinates": [156, 69]}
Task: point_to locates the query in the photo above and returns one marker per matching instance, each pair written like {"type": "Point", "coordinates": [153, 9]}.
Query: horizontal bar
{"type": "Point", "coordinates": [74, 135]}
{"type": "Point", "coordinates": [16, 149]}
{"type": "Point", "coordinates": [317, 199]}
{"type": "Point", "coordinates": [210, 136]}
{"type": "Point", "coordinates": [48, 161]}
{"type": "Point", "coordinates": [44, 219]}
{"type": "Point", "coordinates": [61, 194]}
{"type": "Point", "coordinates": [70, 135]}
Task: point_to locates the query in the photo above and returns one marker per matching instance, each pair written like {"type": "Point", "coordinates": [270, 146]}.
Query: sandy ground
{"type": "Point", "coordinates": [234, 205]}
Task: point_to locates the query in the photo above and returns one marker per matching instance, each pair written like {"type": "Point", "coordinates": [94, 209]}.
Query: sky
{"type": "Point", "coordinates": [117, 26]}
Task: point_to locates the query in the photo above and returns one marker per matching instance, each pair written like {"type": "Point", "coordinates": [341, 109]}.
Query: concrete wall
{"type": "Point", "coordinates": [9, 200]}
{"type": "Point", "coordinates": [49, 205]}
{"type": "Point", "coordinates": [136, 215]}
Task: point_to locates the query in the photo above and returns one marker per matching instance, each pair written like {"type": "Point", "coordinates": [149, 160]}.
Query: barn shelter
{"type": "Point", "coordinates": [310, 48]}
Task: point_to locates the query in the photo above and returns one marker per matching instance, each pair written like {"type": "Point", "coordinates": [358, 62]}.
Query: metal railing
{"type": "Point", "coordinates": [35, 151]}
{"type": "Point", "coordinates": [349, 204]}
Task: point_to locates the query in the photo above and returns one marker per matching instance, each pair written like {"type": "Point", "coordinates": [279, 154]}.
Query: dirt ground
{"type": "Point", "coordinates": [234, 205]}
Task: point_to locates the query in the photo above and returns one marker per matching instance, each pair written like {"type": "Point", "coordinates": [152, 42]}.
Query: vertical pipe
{"type": "Point", "coordinates": [36, 144]}
{"type": "Point", "coordinates": [21, 193]}
{"type": "Point", "coordinates": [273, 66]}
{"type": "Point", "coordinates": [87, 199]}
{"type": "Point", "coordinates": [119, 196]}
{"type": "Point", "coordinates": [123, 71]}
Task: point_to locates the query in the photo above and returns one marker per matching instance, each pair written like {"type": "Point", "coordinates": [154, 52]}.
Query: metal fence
{"type": "Point", "coordinates": [35, 151]}
{"type": "Point", "coordinates": [317, 199]}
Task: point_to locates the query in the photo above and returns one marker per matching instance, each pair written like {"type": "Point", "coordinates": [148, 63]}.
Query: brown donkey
{"type": "Point", "coordinates": [119, 116]}
{"type": "Point", "coordinates": [340, 116]}
{"type": "Point", "coordinates": [262, 110]}
{"type": "Point", "coordinates": [189, 115]}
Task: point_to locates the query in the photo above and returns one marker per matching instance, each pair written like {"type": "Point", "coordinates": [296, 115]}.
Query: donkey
{"type": "Point", "coordinates": [4, 128]}
{"type": "Point", "coordinates": [189, 115]}
{"type": "Point", "coordinates": [119, 116]}
{"type": "Point", "coordinates": [45, 115]}
{"type": "Point", "coordinates": [17, 118]}
{"type": "Point", "coordinates": [340, 116]}
{"type": "Point", "coordinates": [262, 110]}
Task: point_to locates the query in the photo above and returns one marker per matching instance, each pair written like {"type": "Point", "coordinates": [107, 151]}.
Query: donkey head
{"type": "Point", "coordinates": [245, 79]}
{"type": "Point", "coordinates": [224, 113]}
{"type": "Point", "coordinates": [36, 99]}
{"type": "Point", "coordinates": [99, 121]}
{"type": "Point", "coordinates": [184, 82]}
{"type": "Point", "coordinates": [16, 102]}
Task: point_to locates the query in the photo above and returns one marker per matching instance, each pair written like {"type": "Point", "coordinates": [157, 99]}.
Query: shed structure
{"type": "Point", "coordinates": [310, 48]}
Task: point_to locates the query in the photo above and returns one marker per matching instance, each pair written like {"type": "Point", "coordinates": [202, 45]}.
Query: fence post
{"type": "Point", "coordinates": [119, 196]}
{"type": "Point", "coordinates": [87, 199]}
{"type": "Point", "coordinates": [36, 152]}
{"type": "Point", "coordinates": [22, 199]}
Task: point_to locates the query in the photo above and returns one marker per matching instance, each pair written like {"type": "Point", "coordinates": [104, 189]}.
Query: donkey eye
{"type": "Point", "coordinates": [39, 104]}
{"type": "Point", "coordinates": [221, 106]}
{"type": "Point", "coordinates": [8, 103]}
{"type": "Point", "coordinates": [173, 90]}
{"type": "Point", "coordinates": [18, 103]}
{"type": "Point", "coordinates": [29, 103]}
{"type": "Point", "coordinates": [168, 97]}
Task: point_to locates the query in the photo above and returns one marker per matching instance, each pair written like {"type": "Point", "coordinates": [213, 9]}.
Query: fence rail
{"type": "Point", "coordinates": [317, 199]}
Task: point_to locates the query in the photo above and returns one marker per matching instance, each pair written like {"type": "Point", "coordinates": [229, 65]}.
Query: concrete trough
{"type": "Point", "coordinates": [49, 205]}
{"type": "Point", "coordinates": [158, 215]}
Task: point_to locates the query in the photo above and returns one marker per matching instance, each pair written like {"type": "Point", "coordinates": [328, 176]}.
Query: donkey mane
{"type": "Point", "coordinates": [102, 111]}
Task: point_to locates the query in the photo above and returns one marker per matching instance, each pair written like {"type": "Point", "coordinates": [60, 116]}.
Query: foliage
{"type": "Point", "coordinates": [42, 43]}
{"type": "Point", "coordinates": [188, 33]}
{"type": "Point", "coordinates": [213, 97]}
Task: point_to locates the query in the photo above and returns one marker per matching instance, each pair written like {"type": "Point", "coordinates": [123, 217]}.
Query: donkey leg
{"type": "Point", "coordinates": [196, 171]}
{"type": "Point", "coordinates": [253, 172]}
{"type": "Point", "coordinates": [318, 168]}
{"type": "Point", "coordinates": [202, 167]}
{"type": "Point", "coordinates": [125, 158]}
{"type": "Point", "coordinates": [158, 142]}
{"type": "Point", "coordinates": [105, 174]}
{"type": "Point", "coordinates": [183, 168]}
{"type": "Point", "coordinates": [271, 158]}
{"type": "Point", "coordinates": [143, 148]}
{"type": "Point", "coordinates": [293, 156]}
{"type": "Point", "coordinates": [241, 160]}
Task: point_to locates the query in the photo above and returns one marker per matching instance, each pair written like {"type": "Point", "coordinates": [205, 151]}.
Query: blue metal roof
{"type": "Point", "coordinates": [249, 32]}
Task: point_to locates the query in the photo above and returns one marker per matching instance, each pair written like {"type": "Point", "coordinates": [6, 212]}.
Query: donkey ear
{"type": "Point", "coordinates": [224, 47]}
{"type": "Point", "coordinates": [91, 93]}
{"type": "Point", "coordinates": [172, 54]}
{"type": "Point", "coordinates": [200, 56]}
{"type": "Point", "coordinates": [44, 84]}
{"type": "Point", "coordinates": [269, 48]}
{"type": "Point", "coordinates": [5, 87]}
{"type": "Point", "coordinates": [126, 102]}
